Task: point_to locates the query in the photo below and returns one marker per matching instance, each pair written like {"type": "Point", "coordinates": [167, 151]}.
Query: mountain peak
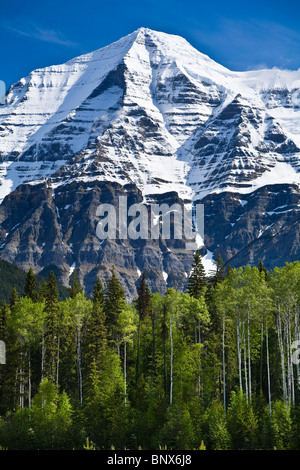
{"type": "Point", "coordinates": [150, 117]}
{"type": "Point", "coordinates": [143, 103]}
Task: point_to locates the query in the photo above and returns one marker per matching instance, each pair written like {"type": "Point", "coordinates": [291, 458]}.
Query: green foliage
{"type": "Point", "coordinates": [114, 304]}
{"type": "Point", "coordinates": [30, 285]}
{"type": "Point", "coordinates": [277, 428]}
{"type": "Point", "coordinates": [76, 287]}
{"type": "Point", "coordinates": [215, 430]}
{"type": "Point", "coordinates": [174, 370]}
{"type": "Point", "coordinates": [177, 432]}
{"type": "Point", "coordinates": [242, 423]}
{"type": "Point", "coordinates": [197, 281]}
{"type": "Point", "coordinates": [13, 277]}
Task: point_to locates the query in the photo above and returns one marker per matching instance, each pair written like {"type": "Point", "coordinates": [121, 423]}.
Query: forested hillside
{"type": "Point", "coordinates": [12, 276]}
{"type": "Point", "coordinates": [211, 368]}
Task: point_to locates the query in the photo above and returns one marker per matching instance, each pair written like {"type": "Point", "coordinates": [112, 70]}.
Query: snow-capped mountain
{"type": "Point", "coordinates": [148, 116]}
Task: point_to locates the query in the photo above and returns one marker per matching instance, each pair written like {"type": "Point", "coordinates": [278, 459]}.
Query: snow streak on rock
{"type": "Point", "coordinates": [152, 110]}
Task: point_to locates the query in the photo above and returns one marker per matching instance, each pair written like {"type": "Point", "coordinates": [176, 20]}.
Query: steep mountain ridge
{"type": "Point", "coordinates": [152, 118]}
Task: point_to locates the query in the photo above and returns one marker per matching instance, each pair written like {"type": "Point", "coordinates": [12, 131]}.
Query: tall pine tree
{"type": "Point", "coordinates": [220, 273]}
{"type": "Point", "coordinates": [51, 335]}
{"type": "Point", "coordinates": [142, 305]}
{"type": "Point", "coordinates": [76, 287]}
{"type": "Point", "coordinates": [262, 269]}
{"type": "Point", "coordinates": [197, 281]}
{"type": "Point", "coordinates": [95, 339]}
{"type": "Point", "coordinates": [30, 286]}
{"type": "Point", "coordinates": [14, 298]}
{"type": "Point", "coordinates": [114, 303]}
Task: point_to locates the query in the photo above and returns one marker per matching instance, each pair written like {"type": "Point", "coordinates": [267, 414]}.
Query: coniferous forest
{"type": "Point", "coordinates": [214, 368]}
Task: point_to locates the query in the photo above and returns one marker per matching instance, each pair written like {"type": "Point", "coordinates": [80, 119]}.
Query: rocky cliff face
{"type": "Point", "coordinates": [150, 118]}
{"type": "Point", "coordinates": [42, 227]}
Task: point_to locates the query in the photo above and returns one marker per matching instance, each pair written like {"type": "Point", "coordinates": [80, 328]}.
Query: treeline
{"type": "Point", "coordinates": [212, 368]}
{"type": "Point", "coordinates": [11, 276]}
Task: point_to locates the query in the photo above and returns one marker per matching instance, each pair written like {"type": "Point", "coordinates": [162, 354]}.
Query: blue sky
{"type": "Point", "coordinates": [239, 35]}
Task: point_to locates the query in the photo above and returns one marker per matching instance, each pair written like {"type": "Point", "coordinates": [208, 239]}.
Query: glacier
{"type": "Point", "coordinates": [136, 110]}
{"type": "Point", "coordinates": [152, 118]}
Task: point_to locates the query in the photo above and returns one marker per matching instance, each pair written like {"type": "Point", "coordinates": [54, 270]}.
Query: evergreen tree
{"type": "Point", "coordinates": [177, 431]}
{"type": "Point", "coordinates": [242, 423]}
{"type": "Point", "coordinates": [197, 281]}
{"type": "Point", "coordinates": [4, 318]}
{"type": "Point", "coordinates": [262, 269]}
{"type": "Point", "coordinates": [295, 428]}
{"type": "Point", "coordinates": [224, 373]}
{"type": "Point", "coordinates": [51, 336]}
{"type": "Point", "coordinates": [164, 335]}
{"type": "Point", "coordinates": [228, 270]}
{"type": "Point", "coordinates": [216, 433]}
{"type": "Point", "coordinates": [114, 303]}
{"type": "Point", "coordinates": [51, 294]}
{"type": "Point", "coordinates": [4, 315]}
{"type": "Point", "coordinates": [98, 292]}
{"type": "Point", "coordinates": [30, 285]}
{"type": "Point", "coordinates": [76, 287]}
{"type": "Point", "coordinates": [51, 418]}
{"type": "Point", "coordinates": [144, 296]}
{"type": "Point", "coordinates": [95, 338]}
{"type": "Point", "coordinates": [142, 305]}
{"type": "Point", "coordinates": [281, 425]}
{"type": "Point", "coordinates": [220, 271]}
{"type": "Point", "coordinates": [14, 298]}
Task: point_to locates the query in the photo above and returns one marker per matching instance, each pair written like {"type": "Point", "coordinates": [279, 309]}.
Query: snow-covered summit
{"type": "Point", "coordinates": [152, 110]}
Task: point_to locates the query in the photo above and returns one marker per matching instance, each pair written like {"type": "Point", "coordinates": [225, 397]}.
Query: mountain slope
{"type": "Point", "coordinates": [152, 118]}
{"type": "Point", "coordinates": [13, 277]}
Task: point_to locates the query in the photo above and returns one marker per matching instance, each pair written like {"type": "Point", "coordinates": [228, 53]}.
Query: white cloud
{"type": "Point", "coordinates": [34, 31]}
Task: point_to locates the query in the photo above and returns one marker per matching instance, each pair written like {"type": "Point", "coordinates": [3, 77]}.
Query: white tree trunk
{"type": "Point", "coordinates": [125, 373]}
{"type": "Point", "coordinates": [289, 361]}
{"type": "Point", "coordinates": [268, 366]}
{"type": "Point", "coordinates": [171, 372]}
{"type": "Point", "coordinates": [224, 377]}
{"type": "Point", "coordinates": [43, 358]}
{"type": "Point", "coordinates": [21, 382]}
{"type": "Point", "coordinates": [245, 361]}
{"type": "Point", "coordinates": [79, 364]}
{"type": "Point", "coordinates": [261, 347]}
{"type": "Point", "coordinates": [249, 355]}
{"type": "Point", "coordinates": [29, 381]}
{"type": "Point", "coordinates": [280, 342]}
{"type": "Point", "coordinates": [239, 348]}
{"type": "Point", "coordinates": [57, 360]}
{"type": "Point", "coordinates": [296, 338]}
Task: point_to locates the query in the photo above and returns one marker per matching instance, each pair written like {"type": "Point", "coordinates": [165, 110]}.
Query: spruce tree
{"type": "Point", "coordinates": [114, 303]}
{"type": "Point", "coordinates": [30, 286]}
{"type": "Point", "coordinates": [76, 287]}
{"type": "Point", "coordinates": [142, 305]}
{"type": "Point", "coordinates": [4, 315]}
{"type": "Point", "coordinates": [96, 332]}
{"type": "Point", "coordinates": [228, 270]}
{"type": "Point", "coordinates": [51, 327]}
{"type": "Point", "coordinates": [197, 280]}
{"type": "Point", "coordinates": [164, 335]}
{"type": "Point", "coordinates": [220, 271]}
{"type": "Point", "coordinates": [98, 292]}
{"type": "Point", "coordinates": [262, 269]}
{"type": "Point", "coordinates": [14, 298]}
